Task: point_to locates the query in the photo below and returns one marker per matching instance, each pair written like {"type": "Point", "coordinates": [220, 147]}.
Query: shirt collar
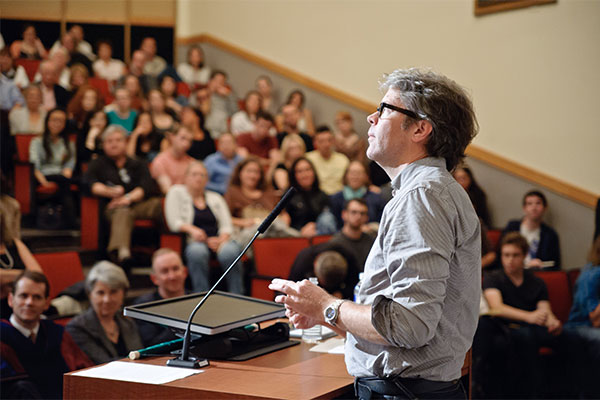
{"type": "Point", "coordinates": [24, 331]}
{"type": "Point", "coordinates": [407, 172]}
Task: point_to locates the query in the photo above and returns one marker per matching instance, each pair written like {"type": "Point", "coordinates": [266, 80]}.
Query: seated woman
{"type": "Point", "coordinates": [356, 186]}
{"type": "Point", "coordinates": [305, 123]}
{"type": "Point", "coordinates": [204, 216]}
{"type": "Point", "coordinates": [145, 142]}
{"type": "Point", "coordinates": [168, 87]}
{"type": "Point", "coordinates": [102, 332]}
{"type": "Point", "coordinates": [86, 101]}
{"type": "Point", "coordinates": [30, 47]}
{"type": "Point", "coordinates": [163, 118]}
{"type": "Point", "coordinates": [520, 321]}
{"type": "Point", "coordinates": [309, 207]}
{"type": "Point", "coordinates": [250, 200]}
{"type": "Point", "coordinates": [264, 86]}
{"type": "Point", "coordinates": [194, 72]}
{"type": "Point", "coordinates": [14, 254]}
{"type": "Point", "coordinates": [132, 84]}
{"type": "Point", "coordinates": [243, 120]}
{"type": "Point", "coordinates": [105, 66]}
{"type": "Point", "coordinates": [78, 77]}
{"type": "Point", "coordinates": [28, 119]}
{"type": "Point", "coordinates": [202, 144]}
{"type": "Point", "coordinates": [464, 176]}
{"type": "Point", "coordinates": [89, 143]}
{"type": "Point", "coordinates": [292, 148]}
{"type": "Point", "coordinates": [53, 159]}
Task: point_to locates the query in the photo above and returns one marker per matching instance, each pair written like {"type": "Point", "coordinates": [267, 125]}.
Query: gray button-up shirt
{"type": "Point", "coordinates": [422, 278]}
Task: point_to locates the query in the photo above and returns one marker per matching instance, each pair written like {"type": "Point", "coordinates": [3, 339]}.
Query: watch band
{"type": "Point", "coordinates": [335, 307]}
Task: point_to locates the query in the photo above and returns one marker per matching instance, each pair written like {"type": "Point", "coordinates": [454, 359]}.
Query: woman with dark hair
{"type": "Point", "coordinates": [168, 87]}
{"type": "Point", "coordinates": [194, 72]}
{"type": "Point", "coordinates": [243, 120]}
{"type": "Point", "coordinates": [163, 118]}
{"type": "Point", "coordinates": [30, 47]}
{"type": "Point", "coordinates": [89, 143]}
{"type": "Point", "coordinates": [53, 159]}
{"type": "Point", "coordinates": [464, 176]}
{"type": "Point", "coordinates": [309, 207]}
{"type": "Point", "coordinates": [305, 123]}
{"type": "Point", "coordinates": [145, 142]}
{"type": "Point", "coordinates": [203, 144]}
{"type": "Point", "coordinates": [86, 101]}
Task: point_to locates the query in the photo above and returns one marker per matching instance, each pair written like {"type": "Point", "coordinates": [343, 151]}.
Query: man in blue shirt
{"type": "Point", "coordinates": [10, 95]}
{"type": "Point", "coordinates": [220, 165]}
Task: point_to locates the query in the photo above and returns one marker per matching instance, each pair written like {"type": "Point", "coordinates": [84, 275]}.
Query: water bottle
{"type": "Point", "coordinates": [313, 334]}
{"type": "Point", "coordinates": [357, 287]}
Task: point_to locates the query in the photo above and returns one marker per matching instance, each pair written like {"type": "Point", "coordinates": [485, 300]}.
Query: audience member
{"type": "Point", "coordinates": [145, 142]}
{"type": "Point", "coordinates": [30, 47]}
{"type": "Point", "coordinates": [506, 345]}
{"type": "Point", "coordinates": [258, 142]}
{"type": "Point", "coordinates": [204, 216]}
{"type": "Point", "coordinates": [132, 84]}
{"type": "Point", "coordinates": [89, 142]}
{"type": "Point", "coordinates": [53, 158]}
{"type": "Point", "coordinates": [124, 184]}
{"type": "Point", "coordinates": [332, 264]}
{"type": "Point", "coordinates": [28, 119]}
{"type": "Point", "coordinates": [194, 72]}
{"type": "Point", "coordinates": [102, 331]}
{"type": "Point", "coordinates": [163, 118]}
{"type": "Point", "coordinates": [16, 73]}
{"type": "Point", "coordinates": [155, 64]}
{"type": "Point", "coordinates": [53, 95]}
{"type": "Point", "coordinates": [122, 115]}
{"type": "Point", "coordinates": [105, 66]}
{"type": "Point", "coordinates": [250, 200]}
{"type": "Point", "coordinates": [356, 186]}
{"type": "Point", "coordinates": [168, 87]}
{"type": "Point", "coordinates": [200, 99]}
{"type": "Point", "coordinates": [10, 95]}
{"type": "Point", "coordinates": [352, 236]}
{"type": "Point", "coordinates": [464, 176]}
{"type": "Point", "coordinates": [35, 352]}
{"type": "Point", "coordinates": [14, 254]}
{"type": "Point", "coordinates": [223, 104]}
{"type": "Point", "coordinates": [544, 248]}
{"type": "Point", "coordinates": [264, 86]}
{"type": "Point", "coordinates": [329, 164]}
{"type": "Point", "coordinates": [243, 121]}
{"type": "Point", "coordinates": [79, 44]}
{"type": "Point", "coordinates": [67, 43]}
{"type": "Point", "coordinates": [60, 58]}
{"type": "Point", "coordinates": [202, 144]}
{"type": "Point", "coordinates": [292, 148]}
{"type": "Point", "coordinates": [83, 104]}
{"type": "Point", "coordinates": [582, 330]}
{"type": "Point", "coordinates": [290, 115]}
{"type": "Point", "coordinates": [347, 140]}
{"type": "Point", "coordinates": [305, 121]}
{"type": "Point", "coordinates": [170, 165]}
{"type": "Point", "coordinates": [78, 77]}
{"type": "Point", "coordinates": [220, 165]}
{"type": "Point", "coordinates": [309, 207]}
{"type": "Point", "coordinates": [168, 275]}
{"type": "Point", "coordinates": [137, 68]}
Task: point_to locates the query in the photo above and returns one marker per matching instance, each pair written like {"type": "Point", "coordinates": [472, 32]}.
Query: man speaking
{"type": "Point", "coordinates": [416, 314]}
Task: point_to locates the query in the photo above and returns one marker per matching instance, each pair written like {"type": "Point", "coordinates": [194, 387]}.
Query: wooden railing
{"type": "Point", "coordinates": [568, 190]}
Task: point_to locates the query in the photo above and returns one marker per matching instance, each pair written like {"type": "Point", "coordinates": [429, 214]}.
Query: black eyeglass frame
{"type": "Point", "coordinates": [404, 111]}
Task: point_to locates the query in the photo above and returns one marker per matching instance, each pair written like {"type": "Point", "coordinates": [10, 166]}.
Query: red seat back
{"type": "Point", "coordinates": [559, 292]}
{"type": "Point", "coordinates": [320, 239]}
{"type": "Point", "coordinates": [62, 269]}
{"type": "Point", "coordinates": [102, 86]}
{"type": "Point", "coordinates": [183, 89]}
{"type": "Point", "coordinates": [30, 66]}
{"type": "Point", "coordinates": [275, 256]}
{"type": "Point", "coordinates": [23, 141]}
{"type": "Point", "coordinates": [493, 236]}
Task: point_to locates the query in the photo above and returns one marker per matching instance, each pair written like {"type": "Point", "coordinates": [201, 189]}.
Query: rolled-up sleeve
{"type": "Point", "coordinates": [417, 253]}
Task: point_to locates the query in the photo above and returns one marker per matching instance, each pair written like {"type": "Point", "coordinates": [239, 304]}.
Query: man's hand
{"type": "Point", "coordinates": [303, 298]}
{"type": "Point", "coordinates": [300, 321]}
{"type": "Point", "coordinates": [595, 317]}
{"type": "Point", "coordinates": [537, 317]}
{"type": "Point", "coordinates": [122, 201]}
{"type": "Point", "coordinates": [535, 263]}
{"type": "Point", "coordinates": [309, 230]}
{"type": "Point", "coordinates": [115, 191]}
{"type": "Point", "coordinates": [554, 325]}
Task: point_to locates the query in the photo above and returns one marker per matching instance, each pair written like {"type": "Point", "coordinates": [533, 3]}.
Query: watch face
{"type": "Point", "coordinates": [329, 313]}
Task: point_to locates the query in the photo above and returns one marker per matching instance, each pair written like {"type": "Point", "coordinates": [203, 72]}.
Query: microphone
{"type": "Point", "coordinates": [187, 361]}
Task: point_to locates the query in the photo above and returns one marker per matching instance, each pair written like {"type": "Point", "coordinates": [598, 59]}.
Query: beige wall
{"type": "Point", "coordinates": [533, 73]}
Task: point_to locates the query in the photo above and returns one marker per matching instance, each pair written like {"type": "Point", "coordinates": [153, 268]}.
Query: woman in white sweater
{"type": "Point", "coordinates": [205, 218]}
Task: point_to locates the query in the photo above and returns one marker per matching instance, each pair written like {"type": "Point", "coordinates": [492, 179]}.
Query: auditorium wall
{"type": "Point", "coordinates": [533, 72]}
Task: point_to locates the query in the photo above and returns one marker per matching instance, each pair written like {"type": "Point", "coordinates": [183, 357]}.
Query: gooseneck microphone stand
{"type": "Point", "coordinates": [185, 360]}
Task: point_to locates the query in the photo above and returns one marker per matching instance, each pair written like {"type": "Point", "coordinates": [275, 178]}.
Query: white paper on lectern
{"type": "Point", "coordinates": [136, 372]}
{"type": "Point", "coordinates": [332, 346]}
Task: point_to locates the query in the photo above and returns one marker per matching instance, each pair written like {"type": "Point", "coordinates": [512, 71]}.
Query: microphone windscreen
{"type": "Point", "coordinates": [278, 208]}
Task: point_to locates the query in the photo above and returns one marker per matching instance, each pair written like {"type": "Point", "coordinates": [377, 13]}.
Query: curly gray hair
{"type": "Point", "coordinates": [442, 102]}
{"type": "Point", "coordinates": [108, 273]}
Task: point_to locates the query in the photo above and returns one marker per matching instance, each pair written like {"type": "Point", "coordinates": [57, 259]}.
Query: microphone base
{"type": "Point", "coordinates": [191, 363]}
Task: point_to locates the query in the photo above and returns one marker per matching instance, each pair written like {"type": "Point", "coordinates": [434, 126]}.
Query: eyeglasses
{"type": "Point", "coordinates": [404, 111]}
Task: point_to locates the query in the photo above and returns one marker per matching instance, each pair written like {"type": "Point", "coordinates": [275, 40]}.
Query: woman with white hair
{"type": "Point", "coordinates": [102, 332]}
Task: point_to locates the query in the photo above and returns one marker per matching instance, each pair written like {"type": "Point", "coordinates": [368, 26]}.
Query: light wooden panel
{"type": "Point", "coordinates": [31, 9]}
{"type": "Point", "coordinates": [106, 11]}
{"type": "Point", "coordinates": [153, 12]}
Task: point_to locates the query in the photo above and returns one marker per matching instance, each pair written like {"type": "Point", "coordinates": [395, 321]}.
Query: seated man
{"type": "Point", "coordinates": [520, 321]}
{"type": "Point", "coordinates": [35, 352]}
{"type": "Point", "coordinates": [136, 67]}
{"type": "Point", "coordinates": [124, 184]}
{"type": "Point", "coordinates": [169, 166]}
{"type": "Point", "coordinates": [259, 142]}
{"type": "Point", "coordinates": [155, 64]}
{"type": "Point", "coordinates": [168, 274]}
{"type": "Point", "coordinates": [220, 165]}
{"type": "Point", "coordinates": [223, 104]}
{"type": "Point", "coordinates": [544, 248]}
{"type": "Point", "coordinates": [355, 216]}
{"type": "Point", "coordinates": [329, 164]}
{"type": "Point", "coordinates": [53, 95]}
{"type": "Point", "coordinates": [291, 116]}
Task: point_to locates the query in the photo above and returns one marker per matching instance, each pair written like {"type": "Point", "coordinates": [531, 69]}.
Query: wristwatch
{"type": "Point", "coordinates": [332, 312]}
